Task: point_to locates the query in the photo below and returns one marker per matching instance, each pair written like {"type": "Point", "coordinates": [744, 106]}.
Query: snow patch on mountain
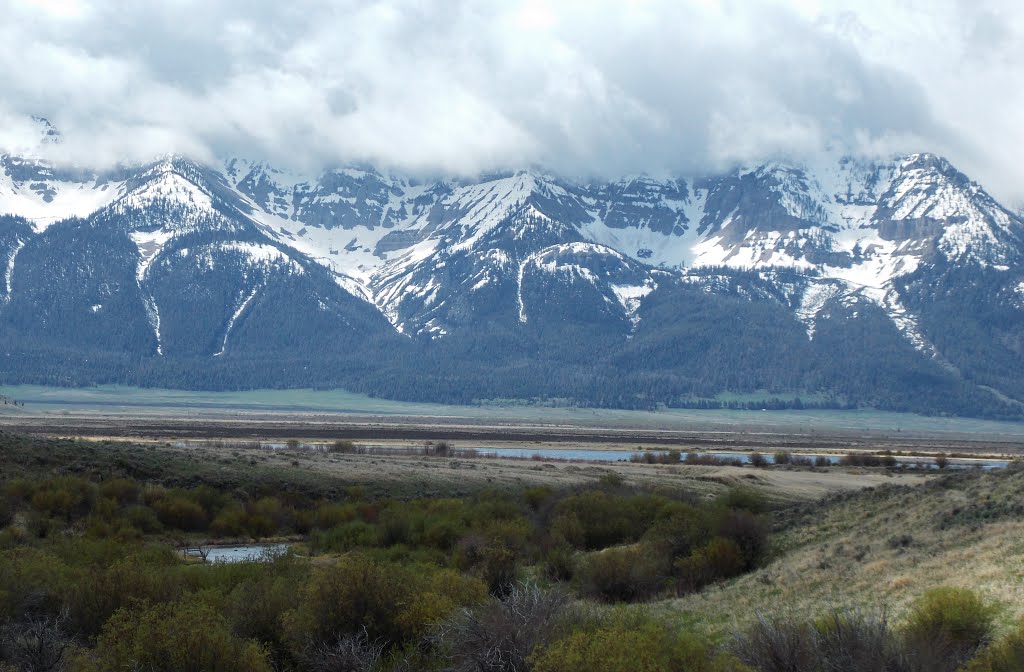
{"type": "Point", "coordinates": [44, 199]}
{"type": "Point", "coordinates": [519, 288]}
{"type": "Point", "coordinates": [344, 251]}
{"type": "Point", "coordinates": [815, 296]}
{"type": "Point", "coordinates": [9, 271]}
{"type": "Point", "coordinates": [630, 297]}
{"type": "Point", "coordinates": [907, 323]}
{"type": "Point", "coordinates": [150, 243]}
{"type": "Point", "coordinates": [394, 282]}
{"type": "Point", "coordinates": [153, 315]}
{"type": "Point", "coordinates": [234, 318]}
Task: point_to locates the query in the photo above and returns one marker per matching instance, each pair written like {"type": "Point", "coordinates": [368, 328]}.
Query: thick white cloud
{"type": "Point", "coordinates": [462, 86]}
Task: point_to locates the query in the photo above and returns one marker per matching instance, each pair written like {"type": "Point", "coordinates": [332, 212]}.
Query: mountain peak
{"type": "Point", "coordinates": [48, 133]}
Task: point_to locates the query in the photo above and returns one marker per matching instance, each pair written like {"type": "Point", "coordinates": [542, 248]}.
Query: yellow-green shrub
{"type": "Point", "coordinates": [626, 646]}
{"type": "Point", "coordinates": [176, 637]}
{"type": "Point", "coordinates": [1005, 655]}
{"type": "Point", "coordinates": [395, 603]}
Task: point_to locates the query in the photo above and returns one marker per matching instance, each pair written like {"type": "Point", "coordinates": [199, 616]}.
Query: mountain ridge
{"type": "Point", "coordinates": [507, 273]}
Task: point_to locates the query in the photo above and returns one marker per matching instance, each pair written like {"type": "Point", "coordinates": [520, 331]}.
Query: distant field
{"type": "Point", "coordinates": [129, 401]}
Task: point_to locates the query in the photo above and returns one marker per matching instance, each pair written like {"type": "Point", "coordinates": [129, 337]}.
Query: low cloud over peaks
{"type": "Point", "coordinates": [468, 86]}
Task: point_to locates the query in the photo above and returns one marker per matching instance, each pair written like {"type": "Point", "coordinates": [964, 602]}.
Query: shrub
{"type": "Point", "coordinates": [331, 515]}
{"type": "Point", "coordinates": [232, 521]}
{"type": "Point", "coordinates": [719, 559]}
{"type": "Point", "coordinates": [758, 460]}
{"type": "Point", "coordinates": [39, 642]}
{"type": "Point", "coordinates": [99, 593]}
{"type": "Point", "coordinates": [394, 603]}
{"type": "Point", "coordinates": [1006, 655]}
{"type": "Point", "coordinates": [946, 626]}
{"type": "Point", "coordinates": [122, 490]}
{"type": "Point", "coordinates": [860, 460]}
{"type": "Point", "coordinates": [494, 553]}
{"type": "Point", "coordinates": [343, 446]}
{"type": "Point", "coordinates": [679, 529]}
{"type": "Point", "coordinates": [255, 607]}
{"type": "Point", "coordinates": [181, 637]}
{"type": "Point", "coordinates": [749, 533]}
{"type": "Point", "coordinates": [559, 563]}
{"type": "Point", "coordinates": [346, 653]}
{"type": "Point", "coordinates": [609, 519]}
{"type": "Point", "coordinates": [345, 537]}
{"type": "Point", "coordinates": [629, 645]}
{"type": "Point", "coordinates": [774, 644]}
{"type": "Point", "coordinates": [19, 490]}
{"type": "Point", "coordinates": [623, 574]}
{"type": "Point", "coordinates": [568, 528]}
{"type": "Point", "coordinates": [64, 497]}
{"type": "Point", "coordinates": [537, 496]}
{"type": "Point", "coordinates": [783, 457]}
{"type": "Point", "coordinates": [267, 516]}
{"type": "Point", "coordinates": [500, 635]}
{"type": "Point", "coordinates": [744, 498]}
{"type": "Point", "coordinates": [859, 642]}
{"type": "Point", "coordinates": [180, 513]}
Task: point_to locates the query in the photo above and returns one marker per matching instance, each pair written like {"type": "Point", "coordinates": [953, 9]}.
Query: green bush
{"type": "Point", "coordinates": [256, 607]}
{"type": "Point", "coordinates": [345, 537]}
{"type": "Point", "coordinates": [679, 529]}
{"type": "Point", "coordinates": [329, 515]}
{"type": "Point", "coordinates": [623, 574]}
{"type": "Point", "coordinates": [495, 552]}
{"type": "Point", "coordinates": [121, 490]}
{"type": "Point", "coordinates": [394, 603]}
{"type": "Point", "coordinates": [559, 563]}
{"type": "Point", "coordinates": [748, 532]}
{"type": "Point", "coordinates": [64, 497]}
{"type": "Point", "coordinates": [176, 637]}
{"type": "Point", "coordinates": [231, 521]}
{"type": "Point", "coordinates": [744, 498]}
{"type": "Point", "coordinates": [630, 645]}
{"type": "Point", "coordinates": [99, 592]}
{"type": "Point", "coordinates": [608, 520]}
{"type": "Point", "coordinates": [947, 626]}
{"type": "Point", "coordinates": [180, 513]}
{"type": "Point", "coordinates": [719, 559]}
{"type": "Point", "coordinates": [142, 518]}
{"type": "Point", "coordinates": [1005, 655]}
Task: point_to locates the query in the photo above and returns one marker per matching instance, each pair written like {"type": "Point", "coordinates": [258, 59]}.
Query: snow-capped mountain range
{"type": "Point", "coordinates": [176, 261]}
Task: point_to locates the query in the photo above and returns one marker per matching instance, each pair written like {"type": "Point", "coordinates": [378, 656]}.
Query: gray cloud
{"type": "Point", "coordinates": [462, 86]}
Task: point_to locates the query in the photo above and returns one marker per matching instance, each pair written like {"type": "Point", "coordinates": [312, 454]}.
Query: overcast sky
{"type": "Point", "coordinates": [462, 86]}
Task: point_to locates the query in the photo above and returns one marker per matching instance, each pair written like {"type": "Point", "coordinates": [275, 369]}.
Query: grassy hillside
{"type": "Point", "coordinates": [883, 548]}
